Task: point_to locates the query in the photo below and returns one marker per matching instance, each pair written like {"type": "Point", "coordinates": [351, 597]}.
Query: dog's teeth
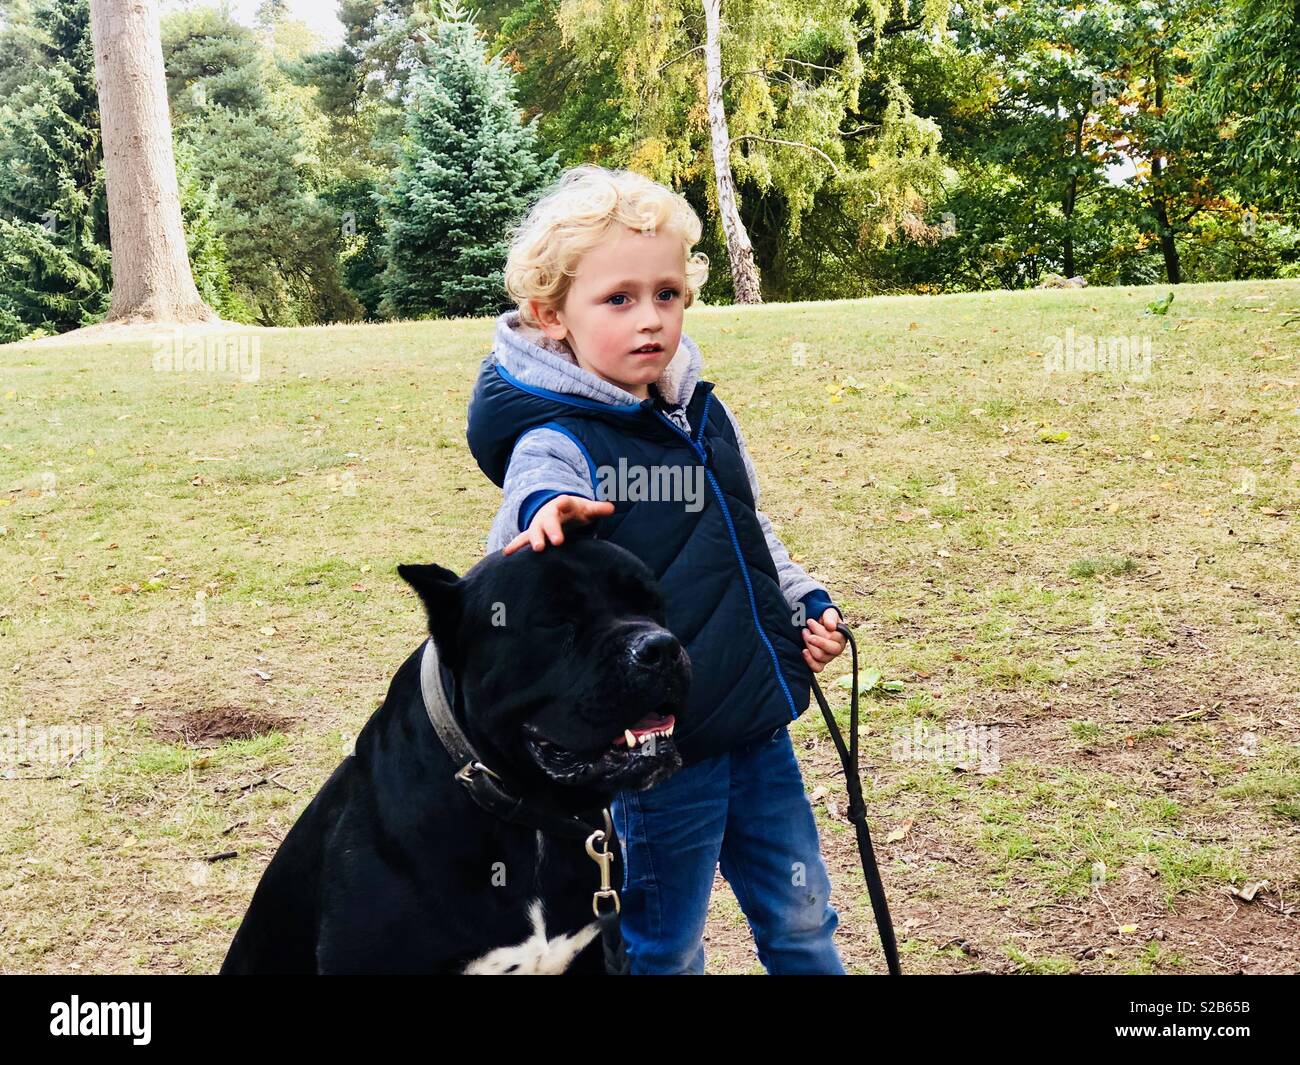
{"type": "Point", "coordinates": [630, 737]}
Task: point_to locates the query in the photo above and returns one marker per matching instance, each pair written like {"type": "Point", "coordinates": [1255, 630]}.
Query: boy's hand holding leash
{"type": "Point", "coordinates": [823, 639]}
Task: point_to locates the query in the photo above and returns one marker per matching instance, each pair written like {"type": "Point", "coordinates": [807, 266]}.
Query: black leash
{"type": "Point", "coordinates": [858, 810]}
{"type": "Point", "coordinates": [617, 962]}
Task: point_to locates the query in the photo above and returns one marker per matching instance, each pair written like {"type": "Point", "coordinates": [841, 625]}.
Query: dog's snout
{"type": "Point", "coordinates": [652, 650]}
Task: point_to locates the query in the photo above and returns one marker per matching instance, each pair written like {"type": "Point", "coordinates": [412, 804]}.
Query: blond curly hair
{"type": "Point", "coordinates": [576, 214]}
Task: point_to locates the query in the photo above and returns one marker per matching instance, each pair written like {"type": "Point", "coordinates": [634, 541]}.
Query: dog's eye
{"type": "Point", "coordinates": [565, 631]}
{"type": "Point", "coordinates": [646, 600]}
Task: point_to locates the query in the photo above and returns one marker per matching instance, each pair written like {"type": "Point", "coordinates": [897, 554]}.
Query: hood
{"type": "Point", "coordinates": [528, 379]}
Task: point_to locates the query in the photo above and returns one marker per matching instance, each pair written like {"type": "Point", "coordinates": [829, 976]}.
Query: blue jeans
{"type": "Point", "coordinates": [746, 808]}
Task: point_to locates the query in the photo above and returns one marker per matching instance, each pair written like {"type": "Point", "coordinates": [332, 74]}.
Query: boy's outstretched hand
{"type": "Point", "coordinates": [548, 519]}
{"type": "Point", "coordinates": [823, 639]}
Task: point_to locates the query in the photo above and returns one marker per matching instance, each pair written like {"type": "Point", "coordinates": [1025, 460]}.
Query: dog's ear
{"type": "Point", "coordinates": [441, 592]}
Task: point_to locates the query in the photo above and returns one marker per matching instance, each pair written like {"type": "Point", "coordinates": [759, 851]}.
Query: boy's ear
{"type": "Point", "coordinates": [549, 320]}
{"type": "Point", "coordinates": [442, 593]}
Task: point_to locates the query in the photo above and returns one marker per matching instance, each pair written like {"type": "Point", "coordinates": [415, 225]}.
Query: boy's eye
{"type": "Point", "coordinates": [672, 294]}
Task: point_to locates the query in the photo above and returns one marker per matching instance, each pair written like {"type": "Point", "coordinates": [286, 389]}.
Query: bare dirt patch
{"type": "Point", "coordinates": [211, 726]}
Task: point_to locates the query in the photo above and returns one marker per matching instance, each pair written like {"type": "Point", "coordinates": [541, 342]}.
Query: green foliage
{"type": "Point", "coordinates": [207, 248]}
{"type": "Point", "coordinates": [355, 200]}
{"type": "Point", "coordinates": [20, 45]}
{"type": "Point", "coordinates": [245, 139]}
{"type": "Point", "coordinates": [281, 240]}
{"type": "Point", "coordinates": [54, 259]}
{"type": "Point", "coordinates": [576, 102]}
{"type": "Point", "coordinates": [361, 84]}
{"type": "Point", "coordinates": [211, 60]}
{"type": "Point", "coordinates": [1249, 73]}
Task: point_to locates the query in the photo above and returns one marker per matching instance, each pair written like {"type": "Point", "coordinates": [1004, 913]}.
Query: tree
{"type": "Point", "coordinates": [152, 281]}
{"type": "Point", "coordinates": [1055, 119]}
{"type": "Point", "coordinates": [20, 45]}
{"type": "Point", "coordinates": [269, 13]}
{"type": "Point", "coordinates": [1178, 159]}
{"type": "Point", "coordinates": [771, 85]}
{"type": "Point", "coordinates": [257, 145]}
{"type": "Point", "coordinates": [575, 101]}
{"type": "Point", "coordinates": [209, 256]}
{"type": "Point", "coordinates": [54, 259]}
{"type": "Point", "coordinates": [1250, 77]}
{"type": "Point", "coordinates": [363, 82]}
{"type": "Point", "coordinates": [467, 168]}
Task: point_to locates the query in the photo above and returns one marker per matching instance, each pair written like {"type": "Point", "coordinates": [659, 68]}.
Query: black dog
{"type": "Point", "coordinates": [559, 671]}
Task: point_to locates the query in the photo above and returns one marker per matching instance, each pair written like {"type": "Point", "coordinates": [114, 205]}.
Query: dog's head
{"type": "Point", "coordinates": [566, 672]}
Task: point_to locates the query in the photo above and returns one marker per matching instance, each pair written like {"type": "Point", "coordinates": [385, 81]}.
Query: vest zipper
{"type": "Point", "coordinates": [735, 542]}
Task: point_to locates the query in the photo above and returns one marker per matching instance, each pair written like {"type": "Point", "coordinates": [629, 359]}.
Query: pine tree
{"type": "Point", "coordinates": [209, 257]}
{"type": "Point", "coordinates": [54, 257]}
{"type": "Point", "coordinates": [245, 140]}
{"type": "Point", "coordinates": [468, 167]}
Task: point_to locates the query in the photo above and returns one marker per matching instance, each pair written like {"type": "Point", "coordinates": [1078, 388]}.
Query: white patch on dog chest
{"type": "Point", "coordinates": [537, 955]}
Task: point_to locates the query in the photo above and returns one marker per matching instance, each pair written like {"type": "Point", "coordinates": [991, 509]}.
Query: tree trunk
{"type": "Point", "coordinates": [1167, 246]}
{"type": "Point", "coordinates": [744, 273]}
{"type": "Point", "coordinates": [1068, 209]}
{"type": "Point", "coordinates": [152, 281]}
{"type": "Point", "coordinates": [1072, 197]}
{"type": "Point", "coordinates": [1159, 197]}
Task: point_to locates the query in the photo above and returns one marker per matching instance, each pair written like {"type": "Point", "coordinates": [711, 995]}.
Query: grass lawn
{"type": "Point", "coordinates": [1099, 568]}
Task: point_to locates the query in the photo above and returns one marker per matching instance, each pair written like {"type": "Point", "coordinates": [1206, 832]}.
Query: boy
{"type": "Point", "coordinates": [592, 375]}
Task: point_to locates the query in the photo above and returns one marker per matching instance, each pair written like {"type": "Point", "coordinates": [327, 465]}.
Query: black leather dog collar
{"type": "Point", "coordinates": [486, 787]}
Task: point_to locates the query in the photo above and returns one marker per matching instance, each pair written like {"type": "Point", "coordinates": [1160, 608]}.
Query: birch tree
{"type": "Point", "coordinates": [772, 85]}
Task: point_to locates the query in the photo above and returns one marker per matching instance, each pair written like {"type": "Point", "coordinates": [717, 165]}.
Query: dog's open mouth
{"type": "Point", "coordinates": [639, 757]}
{"type": "Point", "coordinates": [654, 724]}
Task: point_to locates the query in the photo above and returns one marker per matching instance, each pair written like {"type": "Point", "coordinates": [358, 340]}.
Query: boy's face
{"type": "Point", "coordinates": [627, 292]}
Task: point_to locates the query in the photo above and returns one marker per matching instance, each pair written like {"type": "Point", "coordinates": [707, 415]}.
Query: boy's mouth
{"type": "Point", "coordinates": [647, 349]}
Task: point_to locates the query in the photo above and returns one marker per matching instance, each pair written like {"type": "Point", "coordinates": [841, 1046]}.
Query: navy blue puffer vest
{"type": "Point", "coordinates": [719, 583]}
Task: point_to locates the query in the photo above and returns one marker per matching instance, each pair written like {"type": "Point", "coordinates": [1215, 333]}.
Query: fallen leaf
{"type": "Point", "coordinates": [1249, 891]}
{"type": "Point", "coordinates": [899, 833]}
{"type": "Point", "coordinates": [867, 680]}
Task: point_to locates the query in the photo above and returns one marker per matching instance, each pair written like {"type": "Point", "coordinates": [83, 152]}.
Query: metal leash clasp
{"type": "Point", "coordinates": [471, 768]}
{"type": "Point", "coordinates": [602, 858]}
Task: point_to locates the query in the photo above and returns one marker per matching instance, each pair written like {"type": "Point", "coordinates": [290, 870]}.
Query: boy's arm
{"type": "Point", "coordinates": [543, 465]}
{"type": "Point", "coordinates": [796, 585]}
